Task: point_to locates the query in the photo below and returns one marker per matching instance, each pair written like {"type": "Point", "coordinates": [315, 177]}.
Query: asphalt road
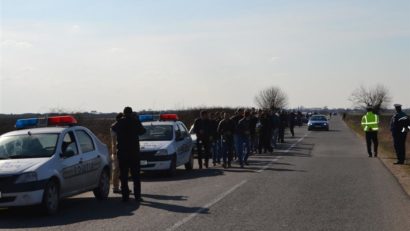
{"type": "Point", "coordinates": [315, 181]}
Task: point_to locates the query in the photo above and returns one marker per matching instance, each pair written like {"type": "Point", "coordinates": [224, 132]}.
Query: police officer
{"type": "Point", "coordinates": [128, 129]}
{"type": "Point", "coordinates": [202, 127]}
{"type": "Point", "coordinates": [399, 127]}
{"type": "Point", "coordinates": [370, 125]}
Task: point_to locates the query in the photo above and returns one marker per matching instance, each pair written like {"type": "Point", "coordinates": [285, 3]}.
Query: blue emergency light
{"type": "Point", "coordinates": [23, 123]}
{"type": "Point", "coordinates": [145, 118]}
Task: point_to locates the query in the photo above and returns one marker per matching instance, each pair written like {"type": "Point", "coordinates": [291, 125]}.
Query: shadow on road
{"type": "Point", "coordinates": [165, 197]}
{"type": "Point", "coordinates": [174, 208]}
{"type": "Point", "coordinates": [181, 174]}
{"type": "Point", "coordinates": [73, 210]}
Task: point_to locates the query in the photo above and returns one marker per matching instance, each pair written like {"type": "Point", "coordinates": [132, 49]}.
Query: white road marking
{"type": "Point", "coordinates": [267, 165]}
{"type": "Point", "coordinates": [286, 151]}
{"type": "Point", "coordinates": [205, 207]}
{"type": "Point", "coordinates": [223, 195]}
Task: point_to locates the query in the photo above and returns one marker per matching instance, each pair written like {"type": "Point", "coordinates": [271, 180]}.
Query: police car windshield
{"type": "Point", "coordinates": [318, 118]}
{"type": "Point", "coordinates": [28, 146]}
{"type": "Point", "coordinates": [157, 133]}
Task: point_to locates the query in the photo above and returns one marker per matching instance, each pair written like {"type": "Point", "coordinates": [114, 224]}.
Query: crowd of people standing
{"type": "Point", "coordinates": [223, 137]}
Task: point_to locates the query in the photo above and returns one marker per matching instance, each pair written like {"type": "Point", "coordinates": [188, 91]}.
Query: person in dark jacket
{"type": "Point", "coordinates": [214, 138]}
{"type": "Point", "coordinates": [244, 134]}
{"type": "Point", "coordinates": [299, 117]}
{"type": "Point", "coordinates": [226, 130]}
{"type": "Point", "coordinates": [265, 132]}
{"type": "Point", "coordinates": [399, 127]}
{"type": "Point", "coordinates": [202, 129]}
{"type": "Point", "coordinates": [275, 127]}
{"type": "Point", "coordinates": [283, 123]}
{"type": "Point", "coordinates": [128, 129]}
{"type": "Point", "coordinates": [254, 138]}
{"type": "Point", "coordinates": [292, 122]}
{"type": "Point", "coordinates": [238, 116]}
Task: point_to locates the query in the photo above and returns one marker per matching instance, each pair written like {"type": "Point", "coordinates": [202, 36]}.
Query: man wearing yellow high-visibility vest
{"type": "Point", "coordinates": [370, 124]}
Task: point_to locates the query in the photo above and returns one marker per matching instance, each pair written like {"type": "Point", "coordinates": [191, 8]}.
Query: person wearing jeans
{"type": "Point", "coordinates": [243, 139]}
{"type": "Point", "coordinates": [226, 129]}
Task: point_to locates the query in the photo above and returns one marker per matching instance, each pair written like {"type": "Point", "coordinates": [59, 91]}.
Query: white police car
{"type": "Point", "coordinates": [43, 165]}
{"type": "Point", "coordinates": [166, 144]}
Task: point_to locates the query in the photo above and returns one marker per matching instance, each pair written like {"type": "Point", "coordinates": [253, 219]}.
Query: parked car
{"type": "Point", "coordinates": [41, 165]}
{"type": "Point", "coordinates": [166, 144]}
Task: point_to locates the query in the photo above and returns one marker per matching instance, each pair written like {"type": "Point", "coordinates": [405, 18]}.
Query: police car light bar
{"type": "Point", "coordinates": [163, 117]}
{"type": "Point", "coordinates": [61, 120]}
{"type": "Point", "coordinates": [35, 122]}
{"type": "Point", "coordinates": [172, 117]}
{"type": "Point", "coordinates": [145, 118]}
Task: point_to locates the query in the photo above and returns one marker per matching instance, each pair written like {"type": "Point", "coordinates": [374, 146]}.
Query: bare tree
{"type": "Point", "coordinates": [271, 98]}
{"type": "Point", "coordinates": [377, 97]}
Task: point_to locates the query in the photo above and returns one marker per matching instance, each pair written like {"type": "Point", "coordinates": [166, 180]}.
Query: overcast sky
{"type": "Point", "coordinates": [103, 55]}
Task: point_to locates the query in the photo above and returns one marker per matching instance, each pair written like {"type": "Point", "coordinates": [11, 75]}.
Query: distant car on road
{"type": "Point", "coordinates": [41, 165]}
{"type": "Point", "coordinates": [318, 122]}
{"type": "Point", "coordinates": [166, 144]}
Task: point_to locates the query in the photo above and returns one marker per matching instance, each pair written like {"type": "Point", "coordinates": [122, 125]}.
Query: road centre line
{"type": "Point", "coordinates": [207, 206]}
{"type": "Point", "coordinates": [223, 195]}
{"type": "Point", "coordinates": [286, 151]}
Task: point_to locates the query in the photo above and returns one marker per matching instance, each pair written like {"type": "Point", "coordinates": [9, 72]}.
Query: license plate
{"type": "Point", "coordinates": [143, 162]}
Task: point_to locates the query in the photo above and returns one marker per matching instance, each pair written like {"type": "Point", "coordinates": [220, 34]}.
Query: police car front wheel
{"type": "Point", "coordinates": [173, 166]}
{"type": "Point", "coordinates": [190, 164]}
{"type": "Point", "coordinates": [103, 189]}
{"type": "Point", "coordinates": [51, 198]}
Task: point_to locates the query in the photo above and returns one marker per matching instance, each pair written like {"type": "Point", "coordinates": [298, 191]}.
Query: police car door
{"type": "Point", "coordinates": [70, 164]}
{"type": "Point", "coordinates": [91, 159]}
{"type": "Point", "coordinates": [185, 145]}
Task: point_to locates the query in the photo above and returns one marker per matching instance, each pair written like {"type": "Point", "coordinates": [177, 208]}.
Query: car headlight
{"type": "Point", "coordinates": [26, 177]}
{"type": "Point", "coordinates": [309, 124]}
{"type": "Point", "coordinates": [162, 152]}
{"type": "Point", "coordinates": [325, 124]}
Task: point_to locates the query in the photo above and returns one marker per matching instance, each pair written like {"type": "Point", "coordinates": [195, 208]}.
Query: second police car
{"type": "Point", "coordinates": [43, 165]}
{"type": "Point", "coordinates": [166, 144]}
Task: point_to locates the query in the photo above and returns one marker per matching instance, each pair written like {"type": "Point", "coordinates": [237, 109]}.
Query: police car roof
{"type": "Point", "coordinates": [37, 131]}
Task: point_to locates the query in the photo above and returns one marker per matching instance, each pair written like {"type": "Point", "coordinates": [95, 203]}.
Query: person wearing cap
{"type": "Point", "coordinates": [128, 129]}
{"type": "Point", "coordinates": [370, 125]}
{"type": "Point", "coordinates": [399, 127]}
